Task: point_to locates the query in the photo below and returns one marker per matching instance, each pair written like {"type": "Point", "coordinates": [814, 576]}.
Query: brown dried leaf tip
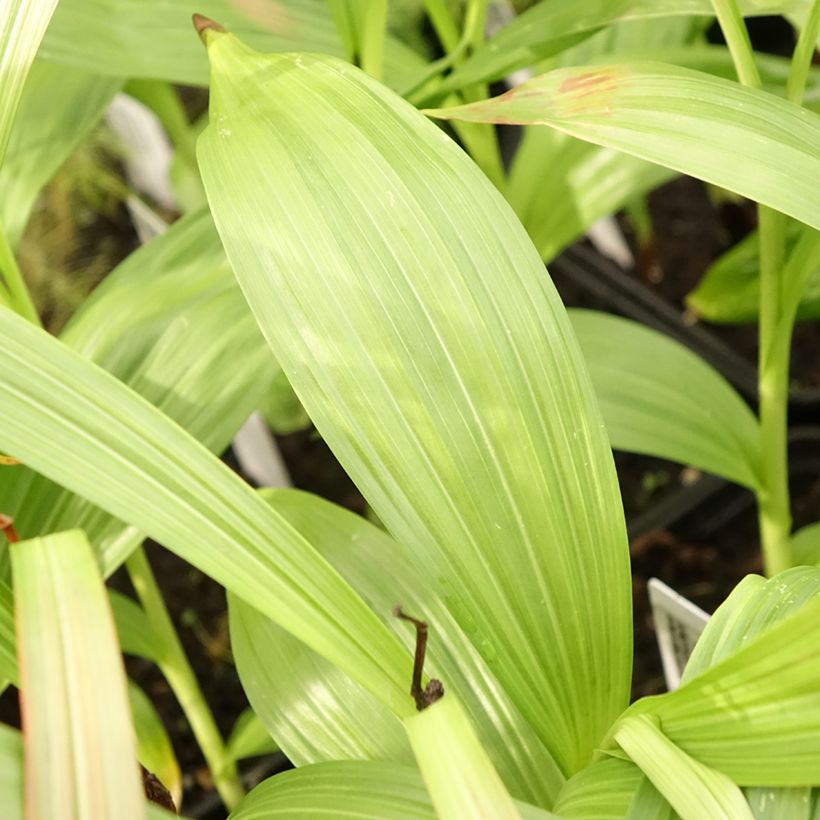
{"type": "Point", "coordinates": [7, 528]}
{"type": "Point", "coordinates": [434, 690]}
{"type": "Point", "coordinates": [203, 24]}
{"type": "Point", "coordinates": [155, 791]}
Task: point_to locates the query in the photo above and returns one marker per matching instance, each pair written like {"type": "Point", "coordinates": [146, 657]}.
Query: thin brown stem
{"type": "Point", "coordinates": [422, 695]}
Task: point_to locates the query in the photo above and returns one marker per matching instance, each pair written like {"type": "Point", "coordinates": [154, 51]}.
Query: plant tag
{"type": "Point", "coordinates": [678, 624]}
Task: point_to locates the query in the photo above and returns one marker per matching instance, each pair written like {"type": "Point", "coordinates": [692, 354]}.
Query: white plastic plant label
{"type": "Point", "coordinates": [678, 625]}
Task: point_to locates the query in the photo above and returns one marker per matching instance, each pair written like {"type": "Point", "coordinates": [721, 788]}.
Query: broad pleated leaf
{"type": "Point", "coordinates": [154, 748]}
{"type": "Point", "coordinates": [694, 790]}
{"type": "Point", "coordinates": [22, 25]}
{"type": "Point", "coordinates": [458, 774]}
{"type": "Point", "coordinates": [649, 804]}
{"type": "Point", "coordinates": [365, 790]}
{"type": "Point", "coordinates": [806, 545]}
{"type": "Point", "coordinates": [80, 427]}
{"type": "Point", "coordinates": [277, 671]}
{"type": "Point", "coordinates": [685, 120]}
{"type": "Point", "coordinates": [80, 745]}
{"type": "Point", "coordinates": [781, 804]}
{"type": "Point", "coordinates": [551, 26]}
{"type": "Point", "coordinates": [660, 399]}
{"type": "Point", "coordinates": [11, 773]}
{"type": "Point", "coordinates": [755, 716]}
{"type": "Point", "coordinates": [170, 323]}
{"type": "Point", "coordinates": [602, 791]}
{"type": "Point", "coordinates": [59, 107]}
{"type": "Point", "coordinates": [414, 320]}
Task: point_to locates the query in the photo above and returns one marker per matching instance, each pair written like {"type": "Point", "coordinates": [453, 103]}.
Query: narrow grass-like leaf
{"type": "Point", "coordinates": [602, 791]}
{"type": "Point", "coordinates": [361, 789]}
{"type": "Point", "coordinates": [685, 120]}
{"type": "Point", "coordinates": [806, 545]}
{"type": "Point", "coordinates": [755, 716]}
{"type": "Point", "coordinates": [80, 748]}
{"type": "Point", "coordinates": [458, 774]}
{"type": "Point", "coordinates": [154, 748]}
{"type": "Point", "coordinates": [277, 671]}
{"type": "Point", "coordinates": [58, 108]}
{"type": "Point", "coordinates": [22, 25]}
{"type": "Point", "coordinates": [412, 316]}
{"type": "Point", "coordinates": [660, 399]}
{"type": "Point", "coordinates": [80, 427]}
{"type": "Point", "coordinates": [694, 790]}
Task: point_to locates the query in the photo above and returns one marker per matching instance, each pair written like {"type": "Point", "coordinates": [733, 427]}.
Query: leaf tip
{"type": "Point", "coordinates": [203, 25]}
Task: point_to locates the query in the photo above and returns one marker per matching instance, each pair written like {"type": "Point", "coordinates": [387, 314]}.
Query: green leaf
{"type": "Point", "coordinates": [276, 670]}
{"type": "Point", "coordinates": [649, 804]}
{"type": "Point", "coordinates": [806, 545]}
{"type": "Point", "coordinates": [58, 108]}
{"type": "Point", "coordinates": [695, 791]}
{"type": "Point", "coordinates": [412, 316]}
{"type": "Point", "coordinates": [685, 120]}
{"type": "Point", "coordinates": [11, 773]}
{"type": "Point", "coordinates": [458, 774]}
{"type": "Point", "coordinates": [249, 738]}
{"type": "Point", "coordinates": [660, 399]}
{"type": "Point", "coordinates": [80, 427]}
{"type": "Point", "coordinates": [134, 631]}
{"type": "Point", "coordinates": [781, 804]}
{"type": "Point", "coordinates": [361, 789]}
{"type": "Point", "coordinates": [21, 30]}
{"type": "Point", "coordinates": [8, 649]}
{"type": "Point", "coordinates": [755, 716]}
{"type": "Point", "coordinates": [602, 791]}
{"type": "Point", "coordinates": [154, 748]}
{"type": "Point", "coordinates": [552, 26]}
{"type": "Point", "coordinates": [80, 746]}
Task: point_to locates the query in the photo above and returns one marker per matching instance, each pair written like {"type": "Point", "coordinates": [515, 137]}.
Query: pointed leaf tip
{"type": "Point", "coordinates": [203, 24]}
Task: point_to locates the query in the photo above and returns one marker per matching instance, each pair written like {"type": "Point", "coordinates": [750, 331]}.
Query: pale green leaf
{"type": "Point", "coordinates": [412, 316]}
{"type": "Point", "coordinates": [780, 804]}
{"type": "Point", "coordinates": [694, 790]}
{"type": "Point", "coordinates": [22, 25]}
{"type": "Point", "coordinates": [8, 650]}
{"type": "Point", "coordinates": [685, 120]}
{"type": "Point", "coordinates": [367, 790]}
{"type": "Point", "coordinates": [755, 716]}
{"type": "Point", "coordinates": [277, 671]}
{"type": "Point", "coordinates": [80, 427]}
{"type": "Point", "coordinates": [602, 791]}
{"type": "Point", "coordinates": [551, 26]}
{"type": "Point", "coordinates": [649, 804]}
{"type": "Point", "coordinates": [154, 748]}
{"type": "Point", "coordinates": [806, 545]}
{"type": "Point", "coordinates": [660, 399]}
{"type": "Point", "coordinates": [59, 107]}
{"type": "Point", "coordinates": [80, 746]}
{"type": "Point", "coordinates": [249, 737]}
{"type": "Point", "coordinates": [458, 774]}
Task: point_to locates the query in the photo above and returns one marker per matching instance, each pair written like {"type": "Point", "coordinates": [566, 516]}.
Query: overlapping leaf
{"type": "Point", "coordinates": [685, 120]}
{"type": "Point", "coordinates": [80, 427]}
{"type": "Point", "coordinates": [413, 318]}
{"type": "Point", "coordinates": [276, 670]}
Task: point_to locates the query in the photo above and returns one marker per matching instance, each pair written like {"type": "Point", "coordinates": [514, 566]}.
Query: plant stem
{"type": "Point", "coordinates": [774, 514]}
{"type": "Point", "coordinates": [374, 32]}
{"type": "Point", "coordinates": [16, 295]}
{"type": "Point", "coordinates": [803, 54]}
{"type": "Point", "coordinates": [174, 665]}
